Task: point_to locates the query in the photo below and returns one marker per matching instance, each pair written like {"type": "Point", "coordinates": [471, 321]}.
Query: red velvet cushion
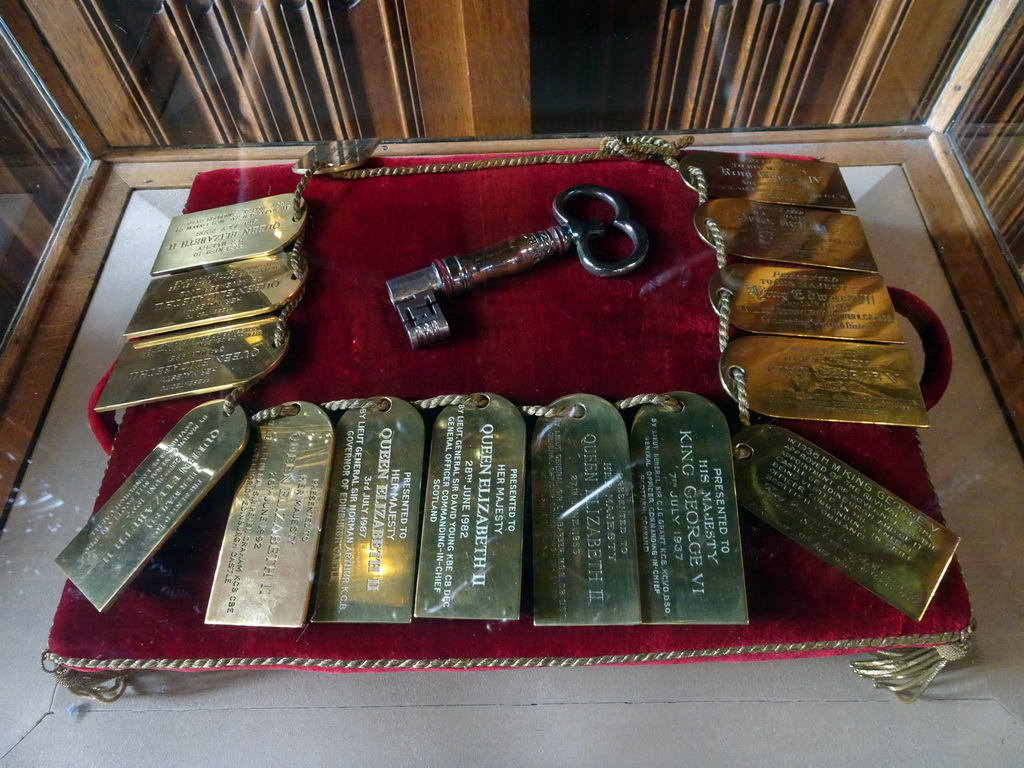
{"type": "Point", "coordinates": [532, 338]}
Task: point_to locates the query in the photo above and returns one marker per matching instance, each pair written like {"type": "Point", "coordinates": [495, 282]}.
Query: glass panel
{"type": "Point", "coordinates": [40, 164]}
{"type": "Point", "coordinates": [989, 134]}
{"type": "Point", "coordinates": [186, 72]}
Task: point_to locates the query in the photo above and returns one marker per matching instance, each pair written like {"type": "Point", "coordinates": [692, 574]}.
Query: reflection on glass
{"type": "Point", "coordinates": [989, 134]}
{"type": "Point", "coordinates": [40, 163]}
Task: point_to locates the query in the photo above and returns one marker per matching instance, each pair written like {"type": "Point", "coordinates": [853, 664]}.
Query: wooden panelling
{"type": "Point", "coordinates": [989, 134]}
{"type": "Point", "coordinates": [471, 60]}
{"type": "Point", "coordinates": [39, 55]}
{"type": "Point", "coordinates": [969, 40]}
{"type": "Point", "coordinates": [389, 74]}
{"type": "Point", "coordinates": [186, 72]}
{"type": "Point", "coordinates": [80, 37]}
{"type": "Point", "coordinates": [907, 49]}
{"type": "Point", "coordinates": [951, 92]}
{"type": "Point", "coordinates": [982, 280]}
{"type": "Point", "coordinates": [590, 63]}
{"type": "Point", "coordinates": [712, 64]}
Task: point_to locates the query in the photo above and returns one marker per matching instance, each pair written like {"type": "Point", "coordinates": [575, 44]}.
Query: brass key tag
{"type": "Point", "coordinates": [367, 566]}
{"type": "Point", "coordinates": [142, 514]}
{"type": "Point", "coordinates": [584, 533]}
{"type": "Point", "coordinates": [472, 543]}
{"type": "Point", "coordinates": [691, 566]}
{"type": "Point", "coordinates": [335, 156]}
{"type": "Point", "coordinates": [207, 360]}
{"type": "Point", "coordinates": [229, 233]}
{"type": "Point", "coordinates": [826, 380]}
{"type": "Point", "coordinates": [771, 179]}
{"type": "Point", "coordinates": [787, 233]}
{"type": "Point", "coordinates": [215, 294]}
{"type": "Point", "coordinates": [265, 569]}
{"type": "Point", "coordinates": [843, 517]}
{"type": "Point", "coordinates": [794, 301]}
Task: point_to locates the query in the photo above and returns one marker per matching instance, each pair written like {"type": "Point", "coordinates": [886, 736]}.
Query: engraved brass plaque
{"type": "Point", "coordinates": [265, 569]}
{"type": "Point", "coordinates": [214, 294]}
{"type": "Point", "coordinates": [472, 549]}
{"type": "Point", "coordinates": [212, 359]}
{"type": "Point", "coordinates": [827, 380]}
{"type": "Point", "coordinates": [772, 179]}
{"type": "Point", "coordinates": [787, 233]}
{"type": "Point", "coordinates": [584, 532]}
{"type": "Point", "coordinates": [367, 567]}
{"type": "Point", "coordinates": [843, 517]}
{"type": "Point", "coordinates": [794, 301]}
{"type": "Point", "coordinates": [142, 514]}
{"type": "Point", "coordinates": [691, 565]}
{"type": "Point", "coordinates": [232, 232]}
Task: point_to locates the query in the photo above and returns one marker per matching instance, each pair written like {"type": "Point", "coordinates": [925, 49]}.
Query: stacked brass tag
{"type": "Point", "coordinates": [821, 303]}
{"type": "Point", "coordinates": [112, 548]}
{"type": "Point", "coordinates": [173, 365]}
{"type": "Point", "coordinates": [835, 295]}
{"type": "Point", "coordinates": [584, 532]}
{"type": "Point", "coordinates": [265, 568]}
{"type": "Point", "coordinates": [214, 269]}
{"type": "Point", "coordinates": [215, 294]}
{"type": "Point", "coordinates": [333, 157]}
{"type": "Point", "coordinates": [207, 325]}
{"type": "Point", "coordinates": [786, 233]}
{"type": "Point", "coordinates": [229, 233]}
{"type": "Point", "coordinates": [771, 179]}
{"type": "Point", "coordinates": [367, 566]}
{"type": "Point", "coordinates": [851, 365]}
{"type": "Point", "coordinates": [825, 380]}
{"type": "Point", "coordinates": [691, 566]}
{"type": "Point", "coordinates": [843, 517]}
{"type": "Point", "coordinates": [471, 554]}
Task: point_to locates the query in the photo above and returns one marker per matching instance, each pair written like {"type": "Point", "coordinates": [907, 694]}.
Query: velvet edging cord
{"type": "Point", "coordinates": [106, 679]}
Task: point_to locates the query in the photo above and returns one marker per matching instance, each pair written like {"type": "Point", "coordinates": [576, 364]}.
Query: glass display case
{"type": "Point", "coordinates": [119, 116]}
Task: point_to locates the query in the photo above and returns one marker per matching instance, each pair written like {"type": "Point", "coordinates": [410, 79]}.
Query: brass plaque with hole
{"type": "Point", "coordinates": [794, 301]}
{"type": "Point", "coordinates": [118, 541]}
{"type": "Point", "coordinates": [471, 556]}
{"type": "Point", "coordinates": [584, 532]}
{"type": "Point", "coordinates": [336, 156]}
{"type": "Point", "coordinates": [826, 380]}
{"type": "Point", "coordinates": [849, 521]}
{"type": "Point", "coordinates": [770, 179]}
{"type": "Point", "coordinates": [265, 568]}
{"type": "Point", "coordinates": [215, 294]}
{"type": "Point", "coordinates": [229, 233]}
{"type": "Point", "coordinates": [787, 233]}
{"type": "Point", "coordinates": [211, 359]}
{"type": "Point", "coordinates": [691, 566]}
{"type": "Point", "coordinates": [367, 567]}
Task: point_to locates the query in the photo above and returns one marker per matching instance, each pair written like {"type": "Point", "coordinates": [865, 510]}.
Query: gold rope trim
{"type": "Point", "coordinates": [907, 672]}
{"type": "Point", "coordinates": [105, 687]}
{"type": "Point", "coordinates": [636, 148]}
{"type": "Point", "coordinates": [495, 663]}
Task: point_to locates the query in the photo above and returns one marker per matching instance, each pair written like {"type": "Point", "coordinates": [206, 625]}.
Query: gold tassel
{"type": "Point", "coordinates": [99, 686]}
{"type": "Point", "coordinates": [907, 672]}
